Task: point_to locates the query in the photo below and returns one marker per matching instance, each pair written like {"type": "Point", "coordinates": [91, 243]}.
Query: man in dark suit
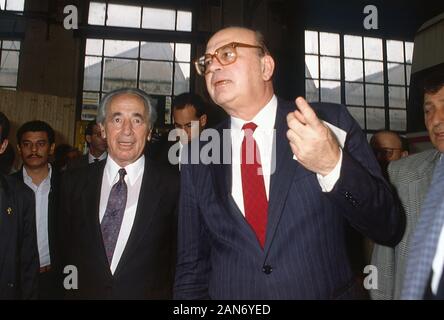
{"type": "Point", "coordinates": [36, 143]}
{"type": "Point", "coordinates": [120, 223]}
{"type": "Point", "coordinates": [96, 147]}
{"type": "Point", "coordinates": [190, 118]}
{"type": "Point", "coordinates": [272, 222]}
{"type": "Point", "coordinates": [19, 258]}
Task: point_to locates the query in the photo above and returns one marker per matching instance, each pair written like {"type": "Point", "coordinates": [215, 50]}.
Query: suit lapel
{"type": "Point", "coordinates": [91, 207]}
{"type": "Point", "coordinates": [146, 208]}
{"type": "Point", "coordinates": [286, 168]}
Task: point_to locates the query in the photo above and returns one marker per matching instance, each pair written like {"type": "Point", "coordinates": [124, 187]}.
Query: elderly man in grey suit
{"type": "Point", "coordinates": [411, 178]}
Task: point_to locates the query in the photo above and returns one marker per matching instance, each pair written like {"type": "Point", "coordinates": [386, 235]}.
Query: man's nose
{"type": "Point", "coordinates": [438, 117]}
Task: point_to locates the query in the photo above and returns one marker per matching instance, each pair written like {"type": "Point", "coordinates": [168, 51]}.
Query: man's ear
{"type": "Point", "coordinates": [102, 131]}
{"type": "Point", "coordinates": [148, 137]}
{"type": "Point", "coordinates": [88, 138]}
{"type": "Point", "coordinates": [203, 120]}
{"type": "Point", "coordinates": [3, 146]}
{"type": "Point", "coordinates": [267, 64]}
{"type": "Point", "coordinates": [51, 149]}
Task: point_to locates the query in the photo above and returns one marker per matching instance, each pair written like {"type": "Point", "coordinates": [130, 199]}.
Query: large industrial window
{"type": "Point", "coordinates": [12, 5]}
{"type": "Point", "coordinates": [369, 75]}
{"type": "Point", "coordinates": [9, 62]}
{"type": "Point", "coordinates": [162, 69]}
{"type": "Point", "coordinates": [10, 49]}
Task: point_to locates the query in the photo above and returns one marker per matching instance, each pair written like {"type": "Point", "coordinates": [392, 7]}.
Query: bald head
{"type": "Point", "coordinates": [243, 86]}
{"type": "Point", "coordinates": [388, 146]}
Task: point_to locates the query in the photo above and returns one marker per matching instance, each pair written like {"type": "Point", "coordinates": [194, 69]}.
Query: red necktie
{"type": "Point", "coordinates": [253, 187]}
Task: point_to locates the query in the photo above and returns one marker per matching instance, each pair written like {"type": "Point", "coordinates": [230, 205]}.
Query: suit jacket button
{"type": "Point", "coordinates": [11, 285]}
{"type": "Point", "coordinates": [267, 269]}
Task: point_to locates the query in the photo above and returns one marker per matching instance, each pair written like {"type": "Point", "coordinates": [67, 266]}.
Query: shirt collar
{"type": "Point", "coordinates": [264, 119]}
{"type": "Point", "coordinates": [27, 177]}
{"type": "Point", "coordinates": [133, 170]}
{"type": "Point", "coordinates": [91, 157]}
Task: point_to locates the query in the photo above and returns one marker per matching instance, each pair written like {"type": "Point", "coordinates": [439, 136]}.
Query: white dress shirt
{"type": "Point", "coordinates": [133, 179]}
{"type": "Point", "coordinates": [91, 157]}
{"type": "Point", "coordinates": [438, 261]}
{"type": "Point", "coordinates": [264, 136]}
{"type": "Point", "coordinates": [41, 214]}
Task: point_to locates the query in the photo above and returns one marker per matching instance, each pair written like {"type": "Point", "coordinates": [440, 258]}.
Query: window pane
{"type": "Point", "coordinates": [396, 74]}
{"type": "Point", "coordinates": [409, 73]}
{"type": "Point", "coordinates": [409, 52]}
{"type": "Point", "coordinates": [123, 16]}
{"type": "Point", "coordinates": [156, 77]}
{"type": "Point", "coordinates": [160, 19]}
{"type": "Point", "coordinates": [97, 13]}
{"type": "Point", "coordinates": [156, 50]}
{"type": "Point", "coordinates": [374, 72]}
{"type": "Point", "coordinates": [89, 105]}
{"type": "Point", "coordinates": [373, 48]}
{"type": "Point", "coordinates": [354, 94]}
{"type": "Point", "coordinates": [11, 45]}
{"type": "Point", "coordinates": [331, 91]}
{"type": "Point", "coordinates": [375, 118]}
{"type": "Point", "coordinates": [92, 73]}
{"type": "Point", "coordinates": [9, 68]}
{"type": "Point", "coordinates": [184, 19]}
{"type": "Point", "coordinates": [397, 97]}
{"type": "Point", "coordinates": [353, 70]}
{"type": "Point", "coordinates": [311, 66]}
{"type": "Point", "coordinates": [353, 46]}
{"type": "Point", "coordinates": [181, 78]}
{"type": "Point", "coordinates": [398, 120]}
{"type": "Point", "coordinates": [119, 73]}
{"type": "Point", "coordinates": [329, 43]}
{"type": "Point", "coordinates": [311, 42]}
{"type": "Point", "coordinates": [183, 52]}
{"type": "Point", "coordinates": [94, 47]}
{"type": "Point", "coordinates": [2, 4]}
{"type": "Point", "coordinates": [374, 95]}
{"type": "Point", "coordinates": [358, 114]}
{"type": "Point", "coordinates": [330, 68]}
{"type": "Point", "coordinates": [15, 5]}
{"type": "Point", "coordinates": [395, 51]}
{"type": "Point", "coordinates": [121, 49]}
{"type": "Point", "coordinates": [311, 90]}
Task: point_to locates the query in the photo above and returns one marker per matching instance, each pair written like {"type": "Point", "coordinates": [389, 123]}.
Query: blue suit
{"type": "Point", "coordinates": [305, 254]}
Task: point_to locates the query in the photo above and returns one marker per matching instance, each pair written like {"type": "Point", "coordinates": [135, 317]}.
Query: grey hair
{"type": "Point", "coordinates": [106, 100]}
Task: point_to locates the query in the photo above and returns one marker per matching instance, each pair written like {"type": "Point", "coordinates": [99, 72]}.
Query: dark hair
{"type": "Point", "coordinates": [4, 126]}
{"type": "Point", "coordinates": [34, 126]}
{"type": "Point", "coordinates": [89, 127]}
{"type": "Point", "coordinates": [190, 99]}
{"type": "Point", "coordinates": [433, 82]}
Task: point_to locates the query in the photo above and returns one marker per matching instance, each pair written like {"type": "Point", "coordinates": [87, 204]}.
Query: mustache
{"type": "Point", "coordinates": [34, 156]}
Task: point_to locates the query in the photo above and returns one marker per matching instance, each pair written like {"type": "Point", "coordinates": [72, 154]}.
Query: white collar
{"type": "Point", "coordinates": [133, 170]}
{"type": "Point", "coordinates": [264, 119]}
{"type": "Point", "coordinates": [27, 177]}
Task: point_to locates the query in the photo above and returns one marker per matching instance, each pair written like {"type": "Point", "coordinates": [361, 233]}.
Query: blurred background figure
{"type": "Point", "coordinates": [7, 160]}
{"type": "Point", "coordinates": [64, 154]}
{"type": "Point", "coordinates": [96, 147]}
{"type": "Point", "coordinates": [388, 146]}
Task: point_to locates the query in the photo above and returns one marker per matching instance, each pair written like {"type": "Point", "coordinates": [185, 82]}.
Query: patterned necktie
{"type": "Point", "coordinates": [253, 187]}
{"type": "Point", "coordinates": [112, 220]}
{"type": "Point", "coordinates": [424, 241]}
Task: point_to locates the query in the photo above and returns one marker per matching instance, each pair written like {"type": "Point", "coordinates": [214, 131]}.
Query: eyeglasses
{"type": "Point", "coordinates": [225, 55]}
{"type": "Point", "coordinates": [385, 152]}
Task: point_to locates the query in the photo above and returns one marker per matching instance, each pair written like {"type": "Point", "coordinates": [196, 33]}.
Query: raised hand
{"type": "Point", "coordinates": [311, 141]}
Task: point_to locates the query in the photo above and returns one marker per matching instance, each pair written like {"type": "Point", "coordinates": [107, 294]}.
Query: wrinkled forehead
{"type": "Point", "coordinates": [229, 35]}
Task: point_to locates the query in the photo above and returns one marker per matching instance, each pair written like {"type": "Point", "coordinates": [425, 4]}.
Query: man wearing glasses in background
{"type": "Point", "coordinates": [249, 231]}
{"type": "Point", "coordinates": [388, 146]}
